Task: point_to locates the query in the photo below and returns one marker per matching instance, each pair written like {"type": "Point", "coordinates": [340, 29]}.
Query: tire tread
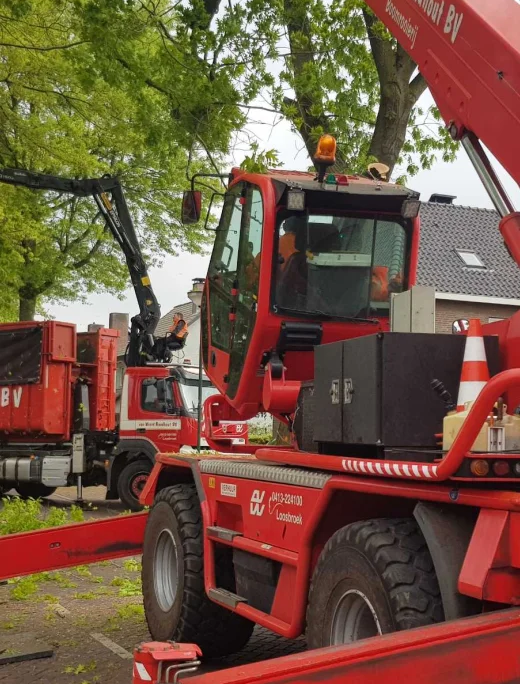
{"type": "Point", "coordinates": [215, 629]}
{"type": "Point", "coordinates": [398, 552]}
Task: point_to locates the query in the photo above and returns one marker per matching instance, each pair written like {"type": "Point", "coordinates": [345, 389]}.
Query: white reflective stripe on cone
{"type": "Point", "coordinates": [469, 391]}
{"type": "Point", "coordinates": [475, 350]}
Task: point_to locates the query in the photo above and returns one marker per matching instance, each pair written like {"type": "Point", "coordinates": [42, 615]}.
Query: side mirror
{"type": "Point", "coordinates": [161, 390]}
{"type": "Point", "coordinates": [460, 326]}
{"type": "Point", "coordinates": [191, 206]}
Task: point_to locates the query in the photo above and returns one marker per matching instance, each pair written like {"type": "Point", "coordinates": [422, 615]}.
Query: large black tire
{"type": "Point", "coordinates": [131, 482]}
{"type": "Point", "coordinates": [175, 602]}
{"type": "Point", "coordinates": [372, 577]}
{"type": "Point", "coordinates": [34, 490]}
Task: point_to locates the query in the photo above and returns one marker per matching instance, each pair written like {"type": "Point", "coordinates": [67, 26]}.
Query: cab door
{"type": "Point", "coordinates": [229, 310]}
{"type": "Point", "coordinates": [222, 283]}
{"type": "Point", "coordinates": [248, 281]}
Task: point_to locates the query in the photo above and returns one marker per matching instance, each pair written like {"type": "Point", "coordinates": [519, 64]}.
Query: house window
{"type": "Point", "coordinates": [470, 258]}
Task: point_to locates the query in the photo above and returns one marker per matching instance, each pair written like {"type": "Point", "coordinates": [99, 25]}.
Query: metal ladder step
{"type": "Point", "coordinates": [226, 597]}
{"type": "Point", "coordinates": [222, 533]}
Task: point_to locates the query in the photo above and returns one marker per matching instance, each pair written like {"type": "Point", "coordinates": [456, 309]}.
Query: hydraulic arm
{"type": "Point", "coordinates": [118, 220]}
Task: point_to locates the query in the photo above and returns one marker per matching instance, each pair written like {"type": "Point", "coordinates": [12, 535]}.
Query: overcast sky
{"type": "Point", "coordinates": [172, 282]}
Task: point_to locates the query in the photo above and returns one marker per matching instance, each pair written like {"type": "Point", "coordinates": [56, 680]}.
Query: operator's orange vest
{"type": "Point", "coordinates": [379, 288]}
{"type": "Point", "coordinates": [179, 333]}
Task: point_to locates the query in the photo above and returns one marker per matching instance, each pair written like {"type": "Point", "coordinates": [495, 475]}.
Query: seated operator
{"type": "Point", "coordinates": [380, 288]}
{"type": "Point", "coordinates": [286, 248]}
{"type": "Point", "coordinates": [177, 333]}
{"type": "Point", "coordinates": [287, 242]}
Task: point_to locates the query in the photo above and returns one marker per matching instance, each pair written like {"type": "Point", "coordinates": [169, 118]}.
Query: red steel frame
{"type": "Point", "coordinates": [480, 650]}
{"type": "Point", "coordinates": [71, 545]}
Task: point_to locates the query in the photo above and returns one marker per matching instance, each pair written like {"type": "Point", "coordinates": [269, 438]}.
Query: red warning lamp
{"type": "Point", "coordinates": [325, 155]}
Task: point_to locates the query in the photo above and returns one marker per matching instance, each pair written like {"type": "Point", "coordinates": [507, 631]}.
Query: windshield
{"type": "Point", "coordinates": [337, 265]}
{"type": "Point", "coordinates": [190, 394]}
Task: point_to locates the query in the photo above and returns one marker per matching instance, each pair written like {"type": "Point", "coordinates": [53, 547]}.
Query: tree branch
{"type": "Point", "coordinates": [44, 49]}
{"type": "Point", "coordinates": [382, 50]}
{"type": "Point", "coordinates": [417, 87]}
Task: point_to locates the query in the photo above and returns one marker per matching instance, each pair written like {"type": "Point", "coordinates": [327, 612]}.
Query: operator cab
{"type": "Point", "coordinates": [298, 262]}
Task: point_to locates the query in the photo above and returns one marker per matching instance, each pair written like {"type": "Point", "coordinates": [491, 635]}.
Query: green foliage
{"type": "Point", "coordinates": [260, 162]}
{"type": "Point", "coordinates": [89, 87]}
{"type": "Point", "coordinates": [24, 588]}
{"type": "Point", "coordinates": [260, 438]}
{"type": "Point", "coordinates": [17, 515]}
{"type": "Point", "coordinates": [129, 613]}
{"type": "Point", "coordinates": [331, 66]}
{"type": "Point", "coordinates": [129, 588]}
{"type": "Point", "coordinates": [132, 565]}
{"type": "Point", "coordinates": [80, 669]}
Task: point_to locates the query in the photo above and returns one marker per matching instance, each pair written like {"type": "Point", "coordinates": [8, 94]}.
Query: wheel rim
{"type": "Point", "coordinates": [138, 483]}
{"type": "Point", "coordinates": [165, 570]}
{"type": "Point", "coordinates": [354, 619]}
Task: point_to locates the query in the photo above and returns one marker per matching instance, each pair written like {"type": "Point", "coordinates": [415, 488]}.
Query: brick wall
{"type": "Point", "coordinates": [448, 311]}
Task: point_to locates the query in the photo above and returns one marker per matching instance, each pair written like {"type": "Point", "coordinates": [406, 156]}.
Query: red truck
{"type": "Point", "coordinates": [159, 413]}
{"type": "Point", "coordinates": [57, 394]}
{"type": "Point", "coordinates": [57, 413]}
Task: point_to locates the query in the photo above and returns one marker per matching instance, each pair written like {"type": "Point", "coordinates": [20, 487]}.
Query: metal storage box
{"type": "Point", "coordinates": [376, 390]}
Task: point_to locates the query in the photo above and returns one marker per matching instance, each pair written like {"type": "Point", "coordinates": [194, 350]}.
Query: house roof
{"type": "Point", "coordinates": [446, 228]}
{"type": "Point", "coordinates": [186, 312]}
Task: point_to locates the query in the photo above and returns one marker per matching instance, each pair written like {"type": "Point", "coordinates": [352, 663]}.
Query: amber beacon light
{"type": "Point", "coordinates": [325, 155]}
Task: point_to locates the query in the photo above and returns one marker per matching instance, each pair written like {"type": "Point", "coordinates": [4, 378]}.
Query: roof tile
{"type": "Point", "coordinates": [448, 227]}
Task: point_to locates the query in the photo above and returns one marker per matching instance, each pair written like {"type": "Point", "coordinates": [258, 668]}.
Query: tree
{"type": "Point", "coordinates": [340, 71]}
{"type": "Point", "coordinates": [88, 88]}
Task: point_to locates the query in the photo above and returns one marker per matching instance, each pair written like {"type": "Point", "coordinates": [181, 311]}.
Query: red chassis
{"type": "Point", "coordinates": [291, 519]}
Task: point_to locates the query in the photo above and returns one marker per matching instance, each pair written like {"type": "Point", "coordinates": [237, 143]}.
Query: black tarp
{"type": "Point", "coordinates": [20, 356]}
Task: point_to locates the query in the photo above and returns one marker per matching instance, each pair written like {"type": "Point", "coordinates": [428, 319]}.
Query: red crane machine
{"type": "Point", "coordinates": [363, 527]}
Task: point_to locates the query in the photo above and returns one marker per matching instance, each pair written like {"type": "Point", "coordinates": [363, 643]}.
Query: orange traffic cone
{"type": "Point", "coordinates": [475, 372]}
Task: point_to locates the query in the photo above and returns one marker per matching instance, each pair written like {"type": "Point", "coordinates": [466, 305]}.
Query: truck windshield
{"type": "Point", "coordinates": [190, 394]}
{"type": "Point", "coordinates": [338, 265]}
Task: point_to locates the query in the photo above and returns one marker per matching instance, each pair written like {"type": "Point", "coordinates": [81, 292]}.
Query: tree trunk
{"type": "Point", "coordinates": [391, 124]}
{"type": "Point", "coordinates": [27, 308]}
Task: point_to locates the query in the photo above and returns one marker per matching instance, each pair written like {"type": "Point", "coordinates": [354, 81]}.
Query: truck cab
{"type": "Point", "coordinates": [159, 414]}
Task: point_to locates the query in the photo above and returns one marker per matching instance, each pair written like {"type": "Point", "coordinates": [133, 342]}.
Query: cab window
{"type": "Point", "coordinates": [338, 265]}
{"type": "Point", "coordinates": [223, 266]}
{"type": "Point", "coordinates": [150, 397]}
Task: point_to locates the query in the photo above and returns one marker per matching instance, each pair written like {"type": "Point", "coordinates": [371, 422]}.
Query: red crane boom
{"type": "Point", "coordinates": [469, 53]}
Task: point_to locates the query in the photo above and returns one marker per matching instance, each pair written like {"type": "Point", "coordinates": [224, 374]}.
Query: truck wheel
{"type": "Point", "coordinates": [175, 603]}
{"type": "Point", "coordinates": [131, 481]}
{"type": "Point", "coordinates": [372, 577]}
{"type": "Point", "coordinates": [34, 490]}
